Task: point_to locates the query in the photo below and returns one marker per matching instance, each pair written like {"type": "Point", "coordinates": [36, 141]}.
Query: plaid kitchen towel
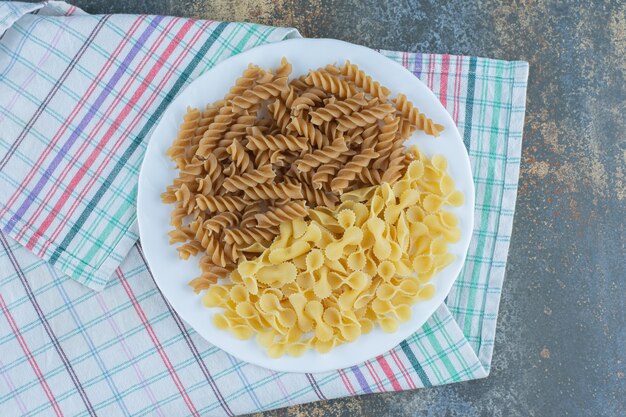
{"type": "Point", "coordinates": [79, 95]}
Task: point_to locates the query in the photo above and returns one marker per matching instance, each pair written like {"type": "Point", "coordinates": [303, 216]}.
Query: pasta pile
{"type": "Point", "coordinates": [272, 149]}
{"type": "Point", "coordinates": [332, 276]}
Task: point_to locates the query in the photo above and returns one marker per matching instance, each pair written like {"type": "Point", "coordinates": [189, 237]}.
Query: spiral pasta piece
{"type": "Point", "coordinates": [310, 98]}
{"type": "Point", "coordinates": [299, 85]}
{"type": "Point", "coordinates": [235, 132]}
{"type": "Point", "coordinates": [326, 172]}
{"type": "Point", "coordinates": [248, 218]}
{"type": "Point", "coordinates": [280, 113]}
{"type": "Point", "coordinates": [352, 72]}
{"type": "Point", "coordinates": [189, 249]}
{"type": "Point", "coordinates": [386, 138]}
{"type": "Point", "coordinates": [187, 129]}
{"type": "Point", "coordinates": [299, 176]}
{"type": "Point", "coordinates": [317, 197]}
{"type": "Point", "coordinates": [284, 69]}
{"type": "Point", "coordinates": [260, 92]}
{"type": "Point", "coordinates": [219, 256]}
{"type": "Point", "coordinates": [370, 176]}
{"type": "Point", "coordinates": [215, 131]}
{"type": "Point", "coordinates": [309, 131]}
{"type": "Point", "coordinates": [365, 117]}
{"type": "Point", "coordinates": [181, 235]}
{"type": "Point", "coordinates": [289, 96]}
{"type": "Point", "coordinates": [207, 117]}
{"type": "Point", "coordinates": [285, 212]}
{"type": "Point", "coordinates": [396, 163]}
{"type": "Point", "coordinates": [329, 129]}
{"type": "Point", "coordinates": [322, 156]}
{"type": "Point", "coordinates": [411, 114]}
{"type": "Point", "coordinates": [276, 142]}
{"type": "Point", "coordinates": [213, 203]}
{"type": "Point", "coordinates": [239, 156]}
{"type": "Point", "coordinates": [184, 198]}
{"type": "Point", "coordinates": [210, 274]}
{"type": "Point", "coordinates": [369, 137]}
{"type": "Point", "coordinates": [262, 157]}
{"type": "Point", "coordinates": [330, 83]}
{"type": "Point", "coordinates": [352, 168]}
{"type": "Point", "coordinates": [199, 233]}
{"type": "Point", "coordinates": [242, 237]}
{"type": "Point", "coordinates": [220, 221]}
{"type": "Point", "coordinates": [249, 179]}
{"type": "Point", "coordinates": [275, 191]}
{"type": "Point", "coordinates": [245, 82]}
{"type": "Point", "coordinates": [338, 109]}
{"type": "Point", "coordinates": [212, 180]}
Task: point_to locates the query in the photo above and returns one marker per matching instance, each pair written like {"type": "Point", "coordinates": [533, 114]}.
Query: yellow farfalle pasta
{"type": "Point", "coordinates": [335, 274]}
{"type": "Point", "coordinates": [254, 158]}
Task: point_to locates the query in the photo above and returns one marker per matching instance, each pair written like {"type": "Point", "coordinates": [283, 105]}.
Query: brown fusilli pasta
{"type": "Point", "coordinates": [366, 117]}
{"type": "Point", "coordinates": [213, 203]}
{"type": "Point", "coordinates": [352, 73]}
{"type": "Point", "coordinates": [281, 190]}
{"type": "Point", "coordinates": [276, 215]}
{"type": "Point", "coordinates": [337, 109]}
{"type": "Point", "coordinates": [322, 155]}
{"type": "Point", "coordinates": [215, 224]}
{"type": "Point", "coordinates": [249, 179]}
{"type": "Point", "coordinates": [246, 236]}
{"type": "Point", "coordinates": [416, 118]}
{"type": "Point", "coordinates": [330, 83]}
{"type": "Point", "coordinates": [352, 168]}
{"type": "Point", "coordinates": [278, 142]}
{"type": "Point", "coordinates": [309, 131]}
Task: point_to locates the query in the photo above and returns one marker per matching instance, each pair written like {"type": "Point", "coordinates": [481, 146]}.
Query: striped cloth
{"type": "Point", "coordinates": [79, 96]}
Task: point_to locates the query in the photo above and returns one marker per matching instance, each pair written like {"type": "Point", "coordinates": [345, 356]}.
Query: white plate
{"type": "Point", "coordinates": [172, 274]}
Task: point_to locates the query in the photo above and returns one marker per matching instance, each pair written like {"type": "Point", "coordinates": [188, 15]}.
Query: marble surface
{"type": "Point", "coordinates": [561, 343]}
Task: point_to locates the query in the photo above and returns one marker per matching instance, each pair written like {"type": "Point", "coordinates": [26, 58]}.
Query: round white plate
{"type": "Point", "coordinates": [172, 274]}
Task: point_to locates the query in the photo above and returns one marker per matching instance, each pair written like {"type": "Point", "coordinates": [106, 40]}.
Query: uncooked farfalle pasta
{"type": "Point", "coordinates": [302, 195]}
{"type": "Point", "coordinates": [333, 275]}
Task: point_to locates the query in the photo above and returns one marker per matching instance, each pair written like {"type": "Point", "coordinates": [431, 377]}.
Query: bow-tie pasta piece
{"type": "Point", "coordinates": [381, 246]}
{"type": "Point", "coordinates": [322, 288]}
{"type": "Point", "coordinates": [352, 236]}
{"type": "Point", "coordinates": [357, 260]}
{"type": "Point", "coordinates": [346, 218]}
{"type": "Point", "coordinates": [229, 320]}
{"type": "Point", "coordinates": [314, 260]}
{"type": "Point", "coordinates": [315, 310]}
{"type": "Point", "coordinates": [345, 323]}
{"type": "Point", "coordinates": [277, 275]}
